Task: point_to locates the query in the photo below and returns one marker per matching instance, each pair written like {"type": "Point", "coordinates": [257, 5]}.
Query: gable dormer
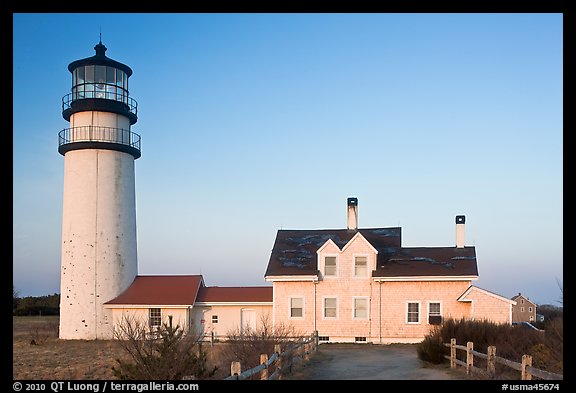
{"type": "Point", "coordinates": [328, 259]}
{"type": "Point", "coordinates": [356, 259]}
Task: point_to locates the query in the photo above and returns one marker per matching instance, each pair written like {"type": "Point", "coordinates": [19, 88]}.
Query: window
{"type": "Point", "coordinates": [413, 312]}
{"type": "Point", "coordinates": [531, 318]}
{"type": "Point", "coordinates": [296, 307]}
{"type": "Point", "coordinates": [119, 77]}
{"type": "Point", "coordinates": [214, 318]}
{"type": "Point", "coordinates": [361, 266]}
{"type": "Point", "coordinates": [89, 77]}
{"type": "Point", "coordinates": [434, 313]}
{"type": "Point", "coordinates": [521, 309]}
{"type": "Point", "coordinates": [529, 309]}
{"type": "Point", "coordinates": [100, 79]}
{"type": "Point", "coordinates": [521, 301]}
{"type": "Point", "coordinates": [330, 266]}
{"type": "Point", "coordinates": [360, 308]}
{"type": "Point", "coordinates": [330, 307]}
{"type": "Point", "coordinates": [155, 317]}
{"type": "Point", "coordinates": [110, 75]}
{"type": "Point", "coordinates": [80, 75]}
{"type": "Point", "coordinates": [360, 339]}
{"type": "Point", "coordinates": [323, 338]}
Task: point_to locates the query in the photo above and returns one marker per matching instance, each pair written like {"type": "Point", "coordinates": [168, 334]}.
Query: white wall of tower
{"type": "Point", "coordinates": [99, 251]}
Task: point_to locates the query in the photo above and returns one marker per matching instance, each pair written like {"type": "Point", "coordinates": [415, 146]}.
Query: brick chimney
{"type": "Point", "coordinates": [460, 220]}
{"type": "Point", "coordinates": [352, 213]}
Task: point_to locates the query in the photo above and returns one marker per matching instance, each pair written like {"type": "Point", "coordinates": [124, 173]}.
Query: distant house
{"type": "Point", "coordinates": [192, 305]}
{"type": "Point", "coordinates": [524, 310]}
{"type": "Point", "coordinates": [362, 285]}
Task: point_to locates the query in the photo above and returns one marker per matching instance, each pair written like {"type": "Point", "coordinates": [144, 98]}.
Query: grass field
{"type": "Point", "coordinates": [39, 354]}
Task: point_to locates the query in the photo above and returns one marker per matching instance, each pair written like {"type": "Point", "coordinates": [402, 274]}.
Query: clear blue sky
{"type": "Point", "coordinates": [255, 122]}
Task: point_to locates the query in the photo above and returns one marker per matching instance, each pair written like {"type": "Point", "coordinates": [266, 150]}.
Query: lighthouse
{"type": "Point", "coordinates": [99, 258]}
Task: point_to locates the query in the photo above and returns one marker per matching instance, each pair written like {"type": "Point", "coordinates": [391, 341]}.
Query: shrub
{"type": "Point", "coordinates": [511, 342]}
{"type": "Point", "coordinates": [246, 345]}
{"type": "Point", "coordinates": [431, 349]}
{"type": "Point", "coordinates": [41, 332]}
{"type": "Point", "coordinates": [168, 354]}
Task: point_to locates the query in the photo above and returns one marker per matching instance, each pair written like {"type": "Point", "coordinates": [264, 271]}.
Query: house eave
{"type": "Point", "coordinates": [127, 306]}
{"type": "Point", "coordinates": [208, 304]}
{"type": "Point", "coordinates": [462, 298]}
{"type": "Point", "coordinates": [312, 278]}
{"type": "Point", "coordinates": [425, 278]}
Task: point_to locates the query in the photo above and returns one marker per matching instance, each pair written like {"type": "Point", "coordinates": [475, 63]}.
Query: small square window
{"type": "Point", "coordinates": [323, 338]}
{"type": "Point", "coordinates": [214, 318]}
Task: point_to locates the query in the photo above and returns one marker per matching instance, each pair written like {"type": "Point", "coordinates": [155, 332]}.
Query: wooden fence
{"type": "Point", "coordinates": [525, 368]}
{"type": "Point", "coordinates": [280, 360]}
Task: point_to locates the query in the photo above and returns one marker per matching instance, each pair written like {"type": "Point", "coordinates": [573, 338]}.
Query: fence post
{"type": "Point", "coordinates": [469, 356]}
{"type": "Point", "coordinates": [526, 361]}
{"type": "Point", "coordinates": [235, 369]}
{"type": "Point", "coordinates": [306, 351]}
{"type": "Point", "coordinates": [315, 340]}
{"type": "Point", "coordinates": [212, 339]}
{"type": "Point", "coordinates": [452, 353]}
{"type": "Point", "coordinates": [278, 350]}
{"type": "Point", "coordinates": [264, 360]}
{"type": "Point", "coordinates": [491, 361]}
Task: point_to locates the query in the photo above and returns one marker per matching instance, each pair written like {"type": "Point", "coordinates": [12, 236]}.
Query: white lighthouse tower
{"type": "Point", "coordinates": [99, 258]}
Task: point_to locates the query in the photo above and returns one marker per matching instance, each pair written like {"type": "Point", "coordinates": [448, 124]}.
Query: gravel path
{"type": "Point", "coordinates": [352, 361]}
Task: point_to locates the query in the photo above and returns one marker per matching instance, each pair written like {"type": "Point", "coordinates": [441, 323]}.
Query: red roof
{"type": "Point", "coordinates": [235, 294]}
{"type": "Point", "coordinates": [161, 290]}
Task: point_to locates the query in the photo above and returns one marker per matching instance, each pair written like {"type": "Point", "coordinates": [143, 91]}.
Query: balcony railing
{"type": "Point", "coordinates": [70, 98]}
{"type": "Point", "coordinates": [99, 134]}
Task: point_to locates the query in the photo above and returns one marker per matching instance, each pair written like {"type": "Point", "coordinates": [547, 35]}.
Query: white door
{"type": "Point", "coordinates": [248, 319]}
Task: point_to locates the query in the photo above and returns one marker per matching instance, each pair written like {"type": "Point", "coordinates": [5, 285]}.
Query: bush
{"type": "Point", "coordinates": [40, 333]}
{"type": "Point", "coordinates": [431, 349]}
{"type": "Point", "coordinates": [246, 345]}
{"type": "Point", "coordinates": [167, 354]}
{"type": "Point", "coordinates": [511, 342]}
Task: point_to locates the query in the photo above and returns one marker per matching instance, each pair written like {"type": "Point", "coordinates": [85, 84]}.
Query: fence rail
{"type": "Point", "coordinates": [281, 360]}
{"type": "Point", "coordinates": [525, 368]}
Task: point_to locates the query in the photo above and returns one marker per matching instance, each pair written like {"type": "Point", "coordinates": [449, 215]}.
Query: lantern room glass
{"type": "Point", "coordinates": [99, 81]}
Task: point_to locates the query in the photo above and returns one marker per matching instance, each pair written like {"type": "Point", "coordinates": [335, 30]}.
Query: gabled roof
{"type": "Point", "coordinates": [161, 290]}
{"type": "Point", "coordinates": [294, 254]}
{"type": "Point", "coordinates": [516, 297]}
{"type": "Point", "coordinates": [235, 295]}
{"type": "Point", "coordinates": [472, 288]}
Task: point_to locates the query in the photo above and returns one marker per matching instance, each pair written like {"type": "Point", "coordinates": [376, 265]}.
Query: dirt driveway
{"type": "Point", "coordinates": [353, 361]}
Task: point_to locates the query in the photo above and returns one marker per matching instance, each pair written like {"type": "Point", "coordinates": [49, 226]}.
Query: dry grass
{"type": "Point", "coordinates": [52, 358]}
{"type": "Point", "coordinates": [55, 359]}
